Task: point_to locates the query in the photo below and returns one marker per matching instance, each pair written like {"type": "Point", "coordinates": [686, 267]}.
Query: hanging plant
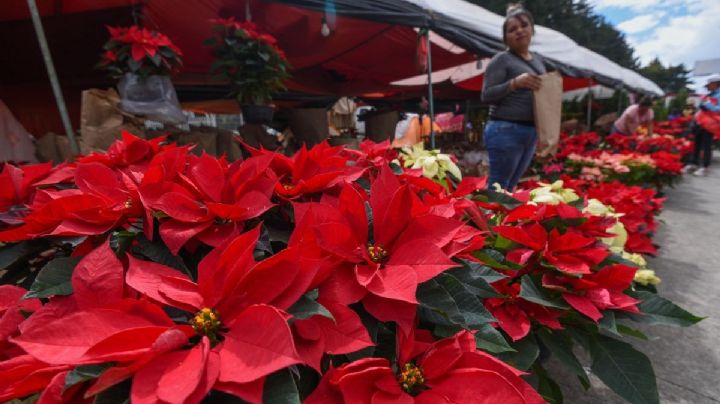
{"type": "Point", "coordinates": [249, 60]}
{"type": "Point", "coordinates": [139, 51]}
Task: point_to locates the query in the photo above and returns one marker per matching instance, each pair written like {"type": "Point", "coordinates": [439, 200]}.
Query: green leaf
{"type": "Point", "coordinates": [483, 271]}
{"type": "Point", "coordinates": [445, 300]}
{"type": "Point", "coordinates": [489, 339]}
{"type": "Point", "coordinates": [547, 387]}
{"type": "Point", "coordinates": [158, 252]}
{"type": "Point", "coordinates": [473, 279]}
{"type": "Point", "coordinates": [525, 355]}
{"type": "Point", "coordinates": [13, 253]}
{"type": "Point", "coordinates": [494, 259]}
{"type": "Point", "coordinates": [560, 346]}
{"type": "Point", "coordinates": [625, 370]}
{"type": "Point", "coordinates": [608, 323]}
{"type": "Point", "coordinates": [84, 373]}
{"type": "Point", "coordinates": [117, 394]}
{"type": "Point", "coordinates": [397, 170]}
{"type": "Point", "coordinates": [54, 279]}
{"type": "Point", "coordinates": [307, 307]}
{"type": "Point", "coordinates": [625, 330]}
{"type": "Point", "coordinates": [657, 310]}
{"type": "Point", "coordinates": [501, 243]}
{"type": "Point", "coordinates": [498, 197]}
{"type": "Point", "coordinates": [532, 293]}
{"type": "Point", "coordinates": [280, 388]}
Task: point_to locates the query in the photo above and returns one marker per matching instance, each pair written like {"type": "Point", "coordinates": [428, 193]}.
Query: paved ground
{"type": "Point", "coordinates": [686, 360]}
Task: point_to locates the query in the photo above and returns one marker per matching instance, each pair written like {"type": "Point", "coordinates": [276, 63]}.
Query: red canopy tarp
{"type": "Point", "coordinates": [359, 56]}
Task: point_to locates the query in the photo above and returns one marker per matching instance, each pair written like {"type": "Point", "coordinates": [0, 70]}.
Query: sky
{"type": "Point", "coordinates": [676, 31]}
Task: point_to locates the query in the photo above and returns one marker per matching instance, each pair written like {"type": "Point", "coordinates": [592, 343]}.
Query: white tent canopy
{"type": "Point", "coordinates": [549, 43]}
{"type": "Point", "coordinates": [599, 92]}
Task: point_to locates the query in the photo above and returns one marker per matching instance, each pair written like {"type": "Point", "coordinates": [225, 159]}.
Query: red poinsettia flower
{"type": "Point", "coordinates": [24, 375]}
{"type": "Point", "coordinates": [570, 252]}
{"type": "Point", "coordinates": [204, 197]}
{"type": "Point", "coordinates": [12, 307]}
{"type": "Point", "coordinates": [115, 328]}
{"type": "Point", "coordinates": [343, 333]}
{"type": "Point", "coordinates": [310, 171]}
{"type": "Point", "coordinates": [380, 266]}
{"type": "Point", "coordinates": [131, 154]}
{"type": "Point", "coordinates": [104, 199]}
{"type": "Point", "coordinates": [449, 371]}
{"type": "Point", "coordinates": [238, 306]}
{"type": "Point", "coordinates": [601, 290]}
{"type": "Point", "coordinates": [18, 185]}
{"type": "Point", "coordinates": [514, 314]}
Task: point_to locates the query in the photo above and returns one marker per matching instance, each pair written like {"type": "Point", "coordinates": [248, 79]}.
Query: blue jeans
{"type": "Point", "coordinates": [511, 148]}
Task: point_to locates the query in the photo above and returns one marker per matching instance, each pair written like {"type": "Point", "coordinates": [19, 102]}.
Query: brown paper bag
{"type": "Point", "coordinates": [547, 104]}
{"type": "Point", "coordinates": [100, 119]}
{"type": "Point", "coordinates": [47, 149]}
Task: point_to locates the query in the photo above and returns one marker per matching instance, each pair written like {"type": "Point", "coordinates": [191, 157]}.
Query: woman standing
{"type": "Point", "coordinates": [510, 79]}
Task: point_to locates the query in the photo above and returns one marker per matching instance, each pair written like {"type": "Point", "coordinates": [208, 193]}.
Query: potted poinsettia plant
{"type": "Point", "coordinates": [143, 60]}
{"type": "Point", "coordinates": [252, 63]}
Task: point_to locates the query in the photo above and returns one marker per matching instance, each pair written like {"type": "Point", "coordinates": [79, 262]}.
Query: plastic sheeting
{"type": "Point", "coordinates": [16, 144]}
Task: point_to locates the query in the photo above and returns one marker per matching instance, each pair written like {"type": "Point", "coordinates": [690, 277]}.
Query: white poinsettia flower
{"type": "Point", "coordinates": [597, 208]}
{"type": "Point", "coordinates": [435, 165]}
{"type": "Point", "coordinates": [635, 258]}
{"type": "Point", "coordinates": [646, 277]}
{"type": "Point", "coordinates": [616, 243]}
{"type": "Point", "coordinates": [553, 194]}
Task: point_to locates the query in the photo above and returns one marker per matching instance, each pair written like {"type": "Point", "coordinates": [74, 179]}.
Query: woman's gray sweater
{"type": "Point", "coordinates": [505, 104]}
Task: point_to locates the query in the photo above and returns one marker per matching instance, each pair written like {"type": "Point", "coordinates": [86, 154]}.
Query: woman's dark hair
{"type": "Point", "coordinates": [645, 101]}
{"type": "Point", "coordinates": [514, 11]}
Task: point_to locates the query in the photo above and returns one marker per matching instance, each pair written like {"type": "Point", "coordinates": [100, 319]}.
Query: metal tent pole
{"type": "Point", "coordinates": [54, 82]}
{"type": "Point", "coordinates": [589, 106]}
{"type": "Point", "coordinates": [431, 99]}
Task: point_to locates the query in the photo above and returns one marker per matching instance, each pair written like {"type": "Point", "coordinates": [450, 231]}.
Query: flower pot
{"type": "Point", "coordinates": [257, 114]}
{"type": "Point", "coordinates": [380, 125]}
{"type": "Point", "coordinates": [349, 142]}
{"type": "Point", "coordinates": [309, 125]}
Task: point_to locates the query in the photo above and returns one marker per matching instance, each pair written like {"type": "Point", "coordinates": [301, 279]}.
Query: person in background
{"type": "Point", "coordinates": [634, 116]}
{"type": "Point", "coordinates": [674, 114]}
{"type": "Point", "coordinates": [706, 125]}
{"type": "Point", "coordinates": [510, 78]}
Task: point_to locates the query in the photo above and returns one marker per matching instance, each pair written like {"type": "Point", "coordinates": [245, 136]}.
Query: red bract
{"type": "Point", "coordinates": [570, 252]}
{"type": "Point", "coordinates": [239, 305]}
{"type": "Point", "coordinates": [115, 328]}
{"type": "Point", "coordinates": [131, 155]}
{"type": "Point", "coordinates": [203, 197]}
{"type": "Point", "coordinates": [342, 334]}
{"type": "Point", "coordinates": [449, 371]}
{"type": "Point", "coordinates": [310, 171]}
{"type": "Point", "coordinates": [383, 266]}
{"type": "Point", "coordinates": [12, 307]}
{"type": "Point", "coordinates": [25, 375]}
{"type": "Point", "coordinates": [104, 199]}
{"type": "Point", "coordinates": [373, 154]}
{"type": "Point", "coordinates": [18, 185]}
{"type": "Point", "coordinates": [514, 314]}
{"type": "Point", "coordinates": [601, 290]}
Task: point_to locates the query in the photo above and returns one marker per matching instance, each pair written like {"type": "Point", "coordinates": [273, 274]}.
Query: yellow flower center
{"type": "Point", "coordinates": [206, 322]}
{"type": "Point", "coordinates": [288, 186]}
{"type": "Point", "coordinates": [128, 204]}
{"type": "Point", "coordinates": [377, 253]}
{"type": "Point", "coordinates": [411, 378]}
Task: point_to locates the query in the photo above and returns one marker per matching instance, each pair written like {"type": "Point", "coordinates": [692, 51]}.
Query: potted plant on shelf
{"type": "Point", "coordinates": [252, 63]}
{"type": "Point", "coordinates": [143, 60]}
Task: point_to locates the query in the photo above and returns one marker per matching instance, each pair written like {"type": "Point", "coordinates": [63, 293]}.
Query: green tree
{"type": "Point", "coordinates": [577, 20]}
{"type": "Point", "coordinates": [672, 79]}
